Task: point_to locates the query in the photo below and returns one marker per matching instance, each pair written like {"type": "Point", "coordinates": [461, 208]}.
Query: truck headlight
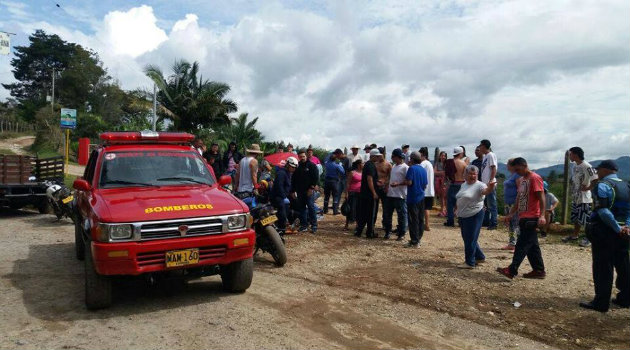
{"type": "Point", "coordinates": [117, 232]}
{"type": "Point", "coordinates": [237, 222]}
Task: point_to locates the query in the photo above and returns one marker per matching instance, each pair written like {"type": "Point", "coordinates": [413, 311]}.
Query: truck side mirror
{"type": "Point", "coordinates": [225, 180]}
{"type": "Point", "coordinates": [81, 185]}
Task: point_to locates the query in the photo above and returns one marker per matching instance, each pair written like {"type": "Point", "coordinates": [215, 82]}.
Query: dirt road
{"type": "Point", "coordinates": [18, 145]}
{"type": "Point", "coordinates": [335, 292]}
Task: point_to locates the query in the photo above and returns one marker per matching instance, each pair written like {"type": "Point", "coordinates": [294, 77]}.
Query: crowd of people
{"type": "Point", "coordinates": [356, 185]}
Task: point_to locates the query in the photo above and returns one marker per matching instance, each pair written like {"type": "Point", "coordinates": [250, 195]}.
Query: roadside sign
{"type": "Point", "coordinates": [68, 118]}
{"type": "Point", "coordinates": [5, 44]}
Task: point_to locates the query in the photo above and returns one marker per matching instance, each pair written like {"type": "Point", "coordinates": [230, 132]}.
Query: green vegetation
{"type": "Point", "coordinates": [6, 151]}
{"type": "Point", "coordinates": [68, 180]}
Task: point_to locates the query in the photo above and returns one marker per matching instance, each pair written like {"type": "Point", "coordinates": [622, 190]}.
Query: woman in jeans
{"type": "Point", "coordinates": [440, 182]}
{"type": "Point", "coordinates": [353, 188]}
{"type": "Point", "coordinates": [470, 213]}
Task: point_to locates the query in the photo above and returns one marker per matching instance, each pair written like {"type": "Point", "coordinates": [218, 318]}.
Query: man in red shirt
{"type": "Point", "coordinates": [530, 205]}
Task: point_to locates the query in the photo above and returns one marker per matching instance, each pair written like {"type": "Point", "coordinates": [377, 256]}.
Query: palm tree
{"type": "Point", "coordinates": [240, 130]}
{"type": "Point", "coordinates": [190, 101]}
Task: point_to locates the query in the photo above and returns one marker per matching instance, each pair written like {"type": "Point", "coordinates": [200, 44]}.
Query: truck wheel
{"type": "Point", "coordinates": [43, 207]}
{"type": "Point", "coordinates": [237, 276]}
{"type": "Point", "coordinates": [276, 247]}
{"type": "Point", "coordinates": [98, 288]}
{"type": "Point", "coordinates": [79, 245]}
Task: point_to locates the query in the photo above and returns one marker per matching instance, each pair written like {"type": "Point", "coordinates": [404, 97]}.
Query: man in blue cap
{"type": "Point", "coordinates": [608, 231]}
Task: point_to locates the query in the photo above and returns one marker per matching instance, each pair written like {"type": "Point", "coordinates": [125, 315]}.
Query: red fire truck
{"type": "Point", "coordinates": [148, 204]}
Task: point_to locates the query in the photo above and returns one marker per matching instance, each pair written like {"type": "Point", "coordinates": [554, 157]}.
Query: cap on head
{"type": "Point", "coordinates": [457, 150]}
{"type": "Point", "coordinates": [375, 152]}
{"type": "Point", "coordinates": [608, 164]}
{"type": "Point", "coordinates": [367, 148]}
{"type": "Point", "coordinates": [415, 156]}
{"type": "Point", "coordinates": [397, 153]}
{"type": "Point", "coordinates": [373, 145]}
{"type": "Point", "coordinates": [355, 147]}
{"type": "Point", "coordinates": [338, 151]}
{"type": "Point", "coordinates": [545, 185]}
{"type": "Point", "coordinates": [292, 162]}
{"type": "Point", "coordinates": [405, 146]}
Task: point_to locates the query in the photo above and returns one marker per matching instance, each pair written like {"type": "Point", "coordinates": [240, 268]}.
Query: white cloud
{"type": "Point", "coordinates": [133, 32]}
{"type": "Point", "coordinates": [534, 77]}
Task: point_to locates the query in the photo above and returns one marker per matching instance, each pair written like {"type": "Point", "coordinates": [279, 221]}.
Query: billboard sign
{"type": "Point", "coordinates": [68, 118]}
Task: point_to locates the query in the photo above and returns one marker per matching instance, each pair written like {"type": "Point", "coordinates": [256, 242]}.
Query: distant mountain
{"type": "Point", "coordinates": [622, 162]}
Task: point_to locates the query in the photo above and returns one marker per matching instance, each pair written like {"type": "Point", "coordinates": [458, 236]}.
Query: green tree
{"type": "Point", "coordinates": [80, 72]}
{"type": "Point", "coordinates": [188, 100]}
{"type": "Point", "coordinates": [240, 130]}
{"type": "Point", "coordinates": [552, 177]}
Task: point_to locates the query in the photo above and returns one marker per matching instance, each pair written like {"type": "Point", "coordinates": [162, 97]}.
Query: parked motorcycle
{"type": "Point", "coordinates": [264, 217]}
{"type": "Point", "coordinates": [60, 199]}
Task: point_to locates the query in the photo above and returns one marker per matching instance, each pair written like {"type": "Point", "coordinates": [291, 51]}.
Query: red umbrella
{"type": "Point", "coordinates": [276, 158]}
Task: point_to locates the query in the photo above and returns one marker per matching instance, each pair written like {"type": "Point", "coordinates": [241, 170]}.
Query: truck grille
{"type": "Point", "coordinates": [157, 258]}
{"type": "Point", "coordinates": [170, 228]}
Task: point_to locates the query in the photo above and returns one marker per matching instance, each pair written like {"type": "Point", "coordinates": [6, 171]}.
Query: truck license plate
{"type": "Point", "coordinates": [184, 257]}
{"type": "Point", "coordinates": [269, 220]}
{"type": "Point", "coordinates": [67, 199]}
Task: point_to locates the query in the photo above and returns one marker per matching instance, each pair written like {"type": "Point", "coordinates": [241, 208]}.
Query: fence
{"type": "Point", "coordinates": [14, 126]}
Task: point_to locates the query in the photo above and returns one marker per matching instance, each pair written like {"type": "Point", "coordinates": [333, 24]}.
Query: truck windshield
{"type": "Point", "coordinates": [153, 168]}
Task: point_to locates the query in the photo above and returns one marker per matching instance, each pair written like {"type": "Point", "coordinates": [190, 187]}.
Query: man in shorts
{"type": "Point", "coordinates": [581, 201]}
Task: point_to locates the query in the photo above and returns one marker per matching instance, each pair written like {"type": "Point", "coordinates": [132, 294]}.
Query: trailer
{"type": "Point", "coordinates": [22, 180]}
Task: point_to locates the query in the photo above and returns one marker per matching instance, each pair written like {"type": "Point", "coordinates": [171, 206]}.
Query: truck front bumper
{"type": "Point", "coordinates": [135, 258]}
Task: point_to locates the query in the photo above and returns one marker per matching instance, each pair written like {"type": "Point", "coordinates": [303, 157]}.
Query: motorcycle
{"type": "Point", "coordinates": [264, 216]}
{"type": "Point", "coordinates": [60, 199]}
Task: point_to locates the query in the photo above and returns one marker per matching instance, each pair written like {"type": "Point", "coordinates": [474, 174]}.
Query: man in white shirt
{"type": "Point", "coordinates": [406, 154]}
{"type": "Point", "coordinates": [581, 201]}
{"type": "Point", "coordinates": [488, 174]}
{"type": "Point", "coordinates": [354, 155]}
{"type": "Point", "coordinates": [396, 197]}
{"type": "Point", "coordinates": [429, 191]}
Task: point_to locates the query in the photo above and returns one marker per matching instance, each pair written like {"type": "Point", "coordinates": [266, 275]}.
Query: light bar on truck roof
{"type": "Point", "coordinates": [146, 137]}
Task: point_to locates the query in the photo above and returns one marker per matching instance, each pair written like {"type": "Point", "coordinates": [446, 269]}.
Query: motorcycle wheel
{"type": "Point", "coordinates": [277, 249]}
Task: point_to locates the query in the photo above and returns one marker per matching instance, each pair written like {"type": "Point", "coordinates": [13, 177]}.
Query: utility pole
{"type": "Point", "coordinates": [154, 106]}
{"type": "Point", "coordinates": [52, 99]}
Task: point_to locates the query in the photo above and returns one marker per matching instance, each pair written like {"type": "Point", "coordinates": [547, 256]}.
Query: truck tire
{"type": "Point", "coordinates": [277, 249]}
{"type": "Point", "coordinates": [237, 276]}
{"type": "Point", "coordinates": [79, 245]}
{"type": "Point", "coordinates": [98, 288]}
{"type": "Point", "coordinates": [43, 207]}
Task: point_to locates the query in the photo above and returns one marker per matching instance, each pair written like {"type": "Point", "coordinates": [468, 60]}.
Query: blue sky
{"type": "Point", "coordinates": [533, 77]}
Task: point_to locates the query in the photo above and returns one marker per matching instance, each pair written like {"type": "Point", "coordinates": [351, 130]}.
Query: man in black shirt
{"type": "Point", "coordinates": [214, 153]}
{"type": "Point", "coordinates": [303, 184]}
{"type": "Point", "coordinates": [366, 211]}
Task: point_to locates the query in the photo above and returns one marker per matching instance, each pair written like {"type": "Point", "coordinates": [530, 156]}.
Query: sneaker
{"type": "Point", "coordinates": [387, 235]}
{"type": "Point", "coordinates": [314, 230]}
{"type": "Point", "coordinates": [400, 238]}
{"type": "Point", "coordinates": [568, 239]}
{"type": "Point", "coordinates": [543, 234]}
{"type": "Point", "coordinates": [509, 247]}
{"type": "Point", "coordinates": [505, 271]}
{"type": "Point", "coordinates": [491, 228]}
{"type": "Point", "coordinates": [449, 224]}
{"type": "Point", "coordinates": [480, 261]}
{"type": "Point", "coordinates": [465, 266]}
{"type": "Point", "coordinates": [535, 274]}
{"type": "Point", "coordinates": [591, 306]}
{"type": "Point", "coordinates": [584, 243]}
{"type": "Point", "coordinates": [356, 234]}
{"type": "Point", "coordinates": [303, 229]}
{"type": "Point", "coordinates": [412, 245]}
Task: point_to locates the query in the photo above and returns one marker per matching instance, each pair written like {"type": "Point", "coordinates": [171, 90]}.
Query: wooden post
{"type": "Point", "coordinates": [565, 187]}
{"type": "Point", "coordinates": [436, 155]}
{"type": "Point", "coordinates": [67, 149]}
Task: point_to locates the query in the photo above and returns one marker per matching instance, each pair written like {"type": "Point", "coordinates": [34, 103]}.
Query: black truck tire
{"type": "Point", "coordinates": [277, 249]}
{"type": "Point", "coordinates": [79, 245]}
{"type": "Point", "coordinates": [98, 288]}
{"type": "Point", "coordinates": [237, 276]}
{"type": "Point", "coordinates": [43, 207]}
